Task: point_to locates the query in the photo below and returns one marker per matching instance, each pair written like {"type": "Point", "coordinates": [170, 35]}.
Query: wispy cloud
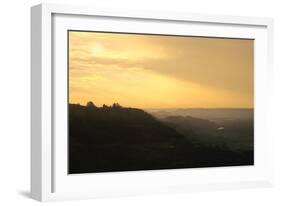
{"type": "Point", "coordinates": [160, 71]}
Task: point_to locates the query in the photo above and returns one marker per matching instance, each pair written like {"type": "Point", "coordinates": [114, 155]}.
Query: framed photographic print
{"type": "Point", "coordinates": [137, 102]}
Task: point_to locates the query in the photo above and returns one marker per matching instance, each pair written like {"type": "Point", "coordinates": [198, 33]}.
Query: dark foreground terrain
{"type": "Point", "coordinates": [107, 139]}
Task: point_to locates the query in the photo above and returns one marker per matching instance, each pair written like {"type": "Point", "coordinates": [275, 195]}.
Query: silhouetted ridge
{"type": "Point", "coordinates": [117, 125]}
{"type": "Point", "coordinates": [116, 138]}
{"type": "Point", "coordinates": [190, 123]}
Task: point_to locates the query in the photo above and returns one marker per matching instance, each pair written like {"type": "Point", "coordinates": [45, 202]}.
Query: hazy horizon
{"type": "Point", "coordinates": [162, 108]}
{"type": "Point", "coordinates": [160, 72]}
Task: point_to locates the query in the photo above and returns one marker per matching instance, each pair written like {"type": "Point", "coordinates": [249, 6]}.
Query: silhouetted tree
{"type": "Point", "coordinates": [91, 105]}
{"type": "Point", "coordinates": [104, 106]}
{"type": "Point", "coordinates": [116, 105]}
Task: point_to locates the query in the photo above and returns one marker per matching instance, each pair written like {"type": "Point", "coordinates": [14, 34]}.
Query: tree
{"type": "Point", "coordinates": [91, 105]}
{"type": "Point", "coordinates": [104, 106]}
{"type": "Point", "coordinates": [116, 105]}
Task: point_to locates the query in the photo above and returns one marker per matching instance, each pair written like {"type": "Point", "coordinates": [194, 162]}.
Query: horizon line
{"type": "Point", "coordinates": [147, 108]}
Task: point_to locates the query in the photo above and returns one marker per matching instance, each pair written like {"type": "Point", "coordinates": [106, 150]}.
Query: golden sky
{"type": "Point", "coordinates": [152, 71]}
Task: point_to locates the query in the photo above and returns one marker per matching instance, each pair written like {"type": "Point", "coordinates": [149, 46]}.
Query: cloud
{"type": "Point", "coordinates": [224, 65]}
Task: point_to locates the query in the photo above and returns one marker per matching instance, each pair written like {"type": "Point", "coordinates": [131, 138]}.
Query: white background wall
{"type": "Point", "coordinates": [15, 101]}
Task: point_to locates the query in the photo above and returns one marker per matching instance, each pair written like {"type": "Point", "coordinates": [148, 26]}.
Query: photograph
{"type": "Point", "coordinates": [141, 102]}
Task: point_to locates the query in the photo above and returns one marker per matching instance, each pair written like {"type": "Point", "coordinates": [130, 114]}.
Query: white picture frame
{"type": "Point", "coordinates": [49, 179]}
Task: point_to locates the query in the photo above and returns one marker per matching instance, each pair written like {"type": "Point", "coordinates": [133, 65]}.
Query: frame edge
{"type": "Point", "coordinates": [36, 138]}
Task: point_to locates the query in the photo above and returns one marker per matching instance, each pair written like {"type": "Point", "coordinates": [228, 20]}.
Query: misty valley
{"type": "Point", "coordinates": [115, 138]}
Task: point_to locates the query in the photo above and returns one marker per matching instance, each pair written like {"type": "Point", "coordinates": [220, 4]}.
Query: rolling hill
{"type": "Point", "coordinates": [105, 139]}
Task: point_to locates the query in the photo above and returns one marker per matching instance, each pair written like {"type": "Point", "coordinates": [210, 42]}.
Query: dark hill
{"type": "Point", "coordinates": [104, 139]}
{"type": "Point", "coordinates": [189, 123]}
{"type": "Point", "coordinates": [235, 134]}
{"type": "Point", "coordinates": [118, 126]}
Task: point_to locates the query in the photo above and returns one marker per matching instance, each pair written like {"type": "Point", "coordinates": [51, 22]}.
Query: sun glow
{"type": "Point", "coordinates": [147, 71]}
